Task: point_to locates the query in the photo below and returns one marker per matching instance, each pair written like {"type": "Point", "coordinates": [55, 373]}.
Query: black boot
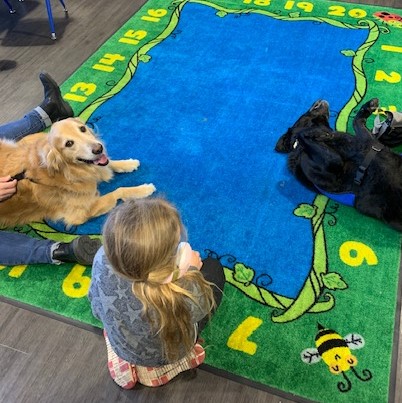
{"type": "Point", "coordinates": [54, 104]}
{"type": "Point", "coordinates": [81, 250]}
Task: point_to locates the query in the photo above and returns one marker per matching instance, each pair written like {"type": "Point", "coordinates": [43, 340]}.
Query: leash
{"type": "Point", "coordinates": [18, 176]}
{"type": "Point", "coordinates": [21, 176]}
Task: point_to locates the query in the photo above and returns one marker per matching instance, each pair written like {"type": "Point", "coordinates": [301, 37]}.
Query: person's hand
{"type": "Point", "coordinates": [7, 187]}
{"type": "Point", "coordinates": [195, 260]}
{"type": "Point", "coordinates": [187, 257]}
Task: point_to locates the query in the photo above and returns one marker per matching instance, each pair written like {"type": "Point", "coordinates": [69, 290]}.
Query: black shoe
{"type": "Point", "coordinates": [81, 250]}
{"type": "Point", "coordinates": [54, 104]}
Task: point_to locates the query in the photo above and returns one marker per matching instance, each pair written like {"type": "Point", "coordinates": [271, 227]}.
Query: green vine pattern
{"type": "Point", "coordinates": [314, 296]}
{"type": "Point", "coordinates": [360, 78]}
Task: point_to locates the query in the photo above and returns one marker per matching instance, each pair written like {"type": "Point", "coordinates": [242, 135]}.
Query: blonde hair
{"type": "Point", "coordinates": [140, 239]}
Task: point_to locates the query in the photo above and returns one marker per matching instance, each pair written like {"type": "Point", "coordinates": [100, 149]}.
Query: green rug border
{"type": "Point", "coordinates": [232, 376]}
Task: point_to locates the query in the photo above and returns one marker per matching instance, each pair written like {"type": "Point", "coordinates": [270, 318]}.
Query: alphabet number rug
{"type": "Point", "coordinates": [200, 91]}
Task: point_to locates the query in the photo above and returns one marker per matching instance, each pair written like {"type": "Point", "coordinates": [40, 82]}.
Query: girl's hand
{"type": "Point", "coordinates": [187, 257]}
{"type": "Point", "coordinates": [7, 188]}
{"type": "Point", "coordinates": [195, 260]}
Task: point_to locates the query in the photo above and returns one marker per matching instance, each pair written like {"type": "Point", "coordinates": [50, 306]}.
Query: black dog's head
{"type": "Point", "coordinates": [316, 116]}
{"type": "Point", "coordinates": [318, 156]}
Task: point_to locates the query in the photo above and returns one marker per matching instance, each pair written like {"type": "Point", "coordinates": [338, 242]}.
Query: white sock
{"type": "Point", "coordinates": [45, 117]}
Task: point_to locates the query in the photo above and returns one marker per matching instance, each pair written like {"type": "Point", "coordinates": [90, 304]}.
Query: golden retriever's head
{"type": "Point", "coordinates": [72, 142]}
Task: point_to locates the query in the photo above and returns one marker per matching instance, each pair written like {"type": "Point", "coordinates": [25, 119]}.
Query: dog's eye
{"type": "Point", "coordinates": [83, 129]}
{"type": "Point", "coordinates": [69, 143]}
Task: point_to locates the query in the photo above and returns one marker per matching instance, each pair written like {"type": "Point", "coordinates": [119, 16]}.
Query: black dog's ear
{"type": "Point", "coordinates": [285, 143]}
{"type": "Point", "coordinates": [321, 165]}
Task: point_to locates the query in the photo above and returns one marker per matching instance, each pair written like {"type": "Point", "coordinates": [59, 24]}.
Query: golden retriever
{"type": "Point", "coordinates": [59, 174]}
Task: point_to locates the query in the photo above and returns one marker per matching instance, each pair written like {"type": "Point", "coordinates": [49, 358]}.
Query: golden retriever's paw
{"type": "Point", "coordinates": [125, 165]}
{"type": "Point", "coordinates": [139, 192]}
{"type": "Point", "coordinates": [147, 189]}
{"type": "Point", "coordinates": [132, 165]}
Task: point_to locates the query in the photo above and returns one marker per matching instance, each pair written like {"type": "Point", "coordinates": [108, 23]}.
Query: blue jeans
{"type": "Point", "coordinates": [31, 123]}
{"type": "Point", "coordinates": [15, 248]}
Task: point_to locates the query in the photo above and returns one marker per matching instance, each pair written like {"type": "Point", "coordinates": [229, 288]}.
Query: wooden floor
{"type": "Point", "coordinates": [42, 359]}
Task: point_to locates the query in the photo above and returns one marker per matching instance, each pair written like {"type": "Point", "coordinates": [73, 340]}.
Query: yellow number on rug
{"type": "Point", "coordinates": [76, 285]}
{"type": "Point", "coordinates": [16, 271]}
{"type": "Point", "coordinates": [106, 62]}
{"type": "Point", "coordinates": [238, 340]}
{"type": "Point", "coordinates": [85, 88]}
{"type": "Point", "coordinates": [392, 77]}
{"type": "Point", "coordinates": [356, 253]}
{"type": "Point", "coordinates": [258, 2]}
{"type": "Point", "coordinates": [304, 5]}
{"type": "Point", "coordinates": [154, 15]}
{"type": "Point", "coordinates": [133, 37]}
{"type": "Point", "coordinates": [390, 48]}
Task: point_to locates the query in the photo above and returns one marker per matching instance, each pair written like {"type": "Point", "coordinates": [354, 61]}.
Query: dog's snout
{"type": "Point", "coordinates": [97, 149]}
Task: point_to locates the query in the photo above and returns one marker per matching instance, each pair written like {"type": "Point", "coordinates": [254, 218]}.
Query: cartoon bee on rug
{"type": "Point", "coordinates": [335, 351]}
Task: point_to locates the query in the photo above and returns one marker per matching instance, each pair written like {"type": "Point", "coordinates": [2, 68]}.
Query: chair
{"type": "Point", "coordinates": [49, 14]}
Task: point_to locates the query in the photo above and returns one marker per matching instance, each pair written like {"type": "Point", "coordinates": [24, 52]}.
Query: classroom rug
{"type": "Point", "coordinates": [200, 91]}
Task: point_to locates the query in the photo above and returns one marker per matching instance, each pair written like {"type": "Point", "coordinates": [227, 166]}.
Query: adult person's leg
{"type": "Point", "coordinates": [17, 249]}
{"type": "Point", "coordinates": [52, 108]}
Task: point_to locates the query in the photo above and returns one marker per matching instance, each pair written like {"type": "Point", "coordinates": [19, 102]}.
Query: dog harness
{"type": "Point", "coordinates": [348, 199]}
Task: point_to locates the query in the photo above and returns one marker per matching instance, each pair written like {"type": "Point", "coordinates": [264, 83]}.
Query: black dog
{"type": "Point", "coordinates": [340, 164]}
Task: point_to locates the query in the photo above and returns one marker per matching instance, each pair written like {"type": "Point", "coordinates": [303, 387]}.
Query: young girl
{"type": "Point", "coordinates": [149, 293]}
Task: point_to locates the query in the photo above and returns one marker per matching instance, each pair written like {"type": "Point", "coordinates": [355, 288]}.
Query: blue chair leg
{"type": "Point", "coordinates": [51, 22]}
{"type": "Point", "coordinates": [50, 16]}
{"type": "Point", "coordinates": [64, 6]}
{"type": "Point", "coordinates": [10, 7]}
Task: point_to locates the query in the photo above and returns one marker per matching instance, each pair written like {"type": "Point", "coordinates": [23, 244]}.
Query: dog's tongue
{"type": "Point", "coordinates": [103, 160]}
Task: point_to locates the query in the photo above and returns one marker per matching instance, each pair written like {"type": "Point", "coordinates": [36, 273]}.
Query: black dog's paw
{"type": "Point", "coordinates": [367, 109]}
{"type": "Point", "coordinates": [371, 106]}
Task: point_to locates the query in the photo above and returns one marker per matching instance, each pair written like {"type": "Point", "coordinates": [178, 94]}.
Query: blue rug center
{"type": "Point", "coordinates": [203, 117]}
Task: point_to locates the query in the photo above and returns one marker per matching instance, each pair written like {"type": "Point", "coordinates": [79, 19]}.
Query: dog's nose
{"type": "Point", "coordinates": [98, 149]}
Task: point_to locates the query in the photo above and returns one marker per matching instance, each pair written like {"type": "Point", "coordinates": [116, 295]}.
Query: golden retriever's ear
{"type": "Point", "coordinates": [54, 161]}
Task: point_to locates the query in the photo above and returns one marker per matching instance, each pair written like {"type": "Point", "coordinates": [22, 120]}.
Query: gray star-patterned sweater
{"type": "Point", "coordinates": [129, 332]}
